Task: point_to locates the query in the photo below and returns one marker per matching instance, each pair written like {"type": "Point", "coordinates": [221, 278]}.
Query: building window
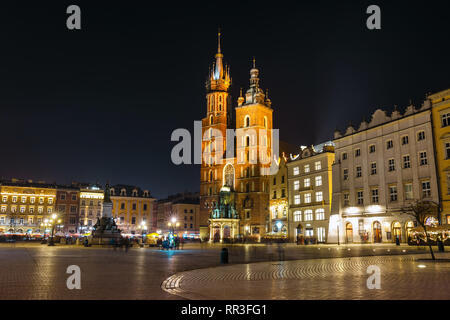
{"type": "Point", "coordinates": [344, 156]}
{"type": "Point", "coordinates": [306, 168]}
{"type": "Point", "coordinates": [308, 198]}
{"type": "Point", "coordinates": [274, 181]}
{"type": "Point", "coordinates": [308, 215]}
{"type": "Point", "coordinates": [320, 214]}
{"type": "Point", "coordinates": [282, 179]}
{"type": "Point", "coordinates": [319, 196]}
{"type": "Point", "coordinates": [74, 197]}
{"type": "Point", "coordinates": [4, 198]}
{"type": "Point", "coordinates": [274, 194]}
{"type": "Point", "coordinates": [358, 172]}
{"type": "Point", "coordinates": [360, 197]}
{"type": "Point", "coordinates": [49, 210]}
{"type": "Point", "coordinates": [321, 234]}
{"type": "Point", "coordinates": [307, 183]}
{"type": "Point", "coordinates": [346, 199]}
{"type": "Point", "coordinates": [31, 210]}
{"type": "Point", "coordinates": [426, 189]}
{"type": "Point", "coordinates": [73, 209]}
{"type": "Point", "coordinates": [345, 174]}
{"type": "Point", "coordinates": [372, 148]}
{"type": "Point", "coordinates": [62, 196]}
{"type": "Point", "coordinates": [421, 135]}
{"type": "Point", "coordinates": [296, 171]}
{"type": "Point", "coordinates": [406, 162]}
{"type": "Point", "coordinates": [374, 195]}
{"type": "Point", "coordinates": [22, 209]}
{"type": "Point", "coordinates": [445, 119]}
{"type": "Point", "coordinates": [297, 199]}
{"type": "Point", "coordinates": [393, 193]}
{"type": "Point", "coordinates": [32, 199]}
{"type": "Point", "coordinates": [318, 165]}
{"type": "Point", "coordinates": [447, 150]}
{"type": "Point", "coordinates": [145, 206]}
{"type": "Point", "coordinates": [41, 200]}
{"type": "Point", "coordinates": [373, 168]}
{"type": "Point", "coordinates": [423, 158]}
{"type": "Point", "coordinates": [40, 209]}
{"type": "Point", "coordinates": [122, 206]}
{"type": "Point", "coordinates": [389, 144]}
{"type": "Point", "coordinates": [391, 164]}
{"type": "Point", "coordinates": [318, 181]}
{"type": "Point", "coordinates": [357, 152]}
{"type": "Point", "coordinates": [247, 121]}
{"type": "Point", "coordinates": [3, 209]}
{"type": "Point", "coordinates": [297, 216]}
{"type": "Point", "coordinates": [133, 220]}
{"type": "Point", "coordinates": [24, 199]}
{"type": "Point", "coordinates": [283, 193]}
{"type": "Point", "coordinates": [14, 199]}
{"type": "Point", "coordinates": [405, 140]}
{"type": "Point", "coordinates": [296, 185]}
{"type": "Point", "coordinates": [134, 206]}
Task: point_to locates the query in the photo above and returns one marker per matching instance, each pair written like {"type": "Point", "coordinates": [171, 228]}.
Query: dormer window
{"type": "Point", "coordinates": [111, 191]}
{"type": "Point", "coordinates": [135, 193]}
{"type": "Point", "coordinates": [123, 192]}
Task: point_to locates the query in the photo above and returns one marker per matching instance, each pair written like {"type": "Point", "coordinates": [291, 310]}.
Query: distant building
{"type": "Point", "coordinates": [24, 205]}
{"type": "Point", "coordinates": [380, 168]}
{"type": "Point", "coordinates": [310, 192]}
{"type": "Point", "coordinates": [91, 206]}
{"type": "Point", "coordinates": [184, 208]}
{"type": "Point", "coordinates": [67, 205]}
{"type": "Point", "coordinates": [441, 126]}
{"type": "Point", "coordinates": [132, 208]}
{"type": "Point", "coordinates": [277, 219]}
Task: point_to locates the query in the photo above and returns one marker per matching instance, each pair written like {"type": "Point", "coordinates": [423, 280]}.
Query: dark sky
{"type": "Point", "coordinates": [101, 103]}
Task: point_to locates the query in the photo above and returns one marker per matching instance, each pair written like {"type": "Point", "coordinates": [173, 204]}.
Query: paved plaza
{"type": "Point", "coordinates": [34, 271]}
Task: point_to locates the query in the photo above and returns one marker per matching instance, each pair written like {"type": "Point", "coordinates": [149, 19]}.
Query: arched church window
{"type": "Point", "coordinates": [210, 175]}
{"type": "Point", "coordinates": [247, 141]}
{"type": "Point", "coordinates": [220, 98]}
{"type": "Point", "coordinates": [228, 176]}
{"type": "Point", "coordinates": [211, 120]}
{"type": "Point", "coordinates": [247, 121]}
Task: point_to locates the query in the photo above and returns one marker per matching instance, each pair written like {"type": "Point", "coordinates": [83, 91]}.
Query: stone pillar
{"type": "Point", "coordinates": [221, 232]}
{"type": "Point", "coordinates": [211, 228]}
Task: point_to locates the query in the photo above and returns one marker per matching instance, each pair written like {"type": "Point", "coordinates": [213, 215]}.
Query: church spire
{"type": "Point", "coordinates": [218, 71]}
{"type": "Point", "coordinates": [219, 78]}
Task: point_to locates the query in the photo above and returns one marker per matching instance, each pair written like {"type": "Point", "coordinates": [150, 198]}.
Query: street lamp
{"type": "Point", "coordinates": [144, 230]}
{"type": "Point", "coordinates": [172, 225]}
{"type": "Point", "coordinates": [52, 223]}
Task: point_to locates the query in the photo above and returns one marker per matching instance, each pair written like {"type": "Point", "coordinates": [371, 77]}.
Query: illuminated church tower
{"type": "Point", "coordinates": [234, 194]}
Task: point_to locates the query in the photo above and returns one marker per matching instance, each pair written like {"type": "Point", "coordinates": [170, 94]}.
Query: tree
{"type": "Point", "coordinates": [421, 210]}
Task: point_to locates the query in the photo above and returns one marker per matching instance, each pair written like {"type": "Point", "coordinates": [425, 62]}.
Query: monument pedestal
{"type": "Point", "coordinates": [105, 230]}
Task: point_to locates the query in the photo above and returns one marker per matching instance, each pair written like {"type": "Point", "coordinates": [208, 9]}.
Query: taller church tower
{"type": "Point", "coordinates": [214, 126]}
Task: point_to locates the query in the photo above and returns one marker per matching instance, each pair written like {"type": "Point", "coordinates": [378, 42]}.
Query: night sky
{"type": "Point", "coordinates": [101, 103]}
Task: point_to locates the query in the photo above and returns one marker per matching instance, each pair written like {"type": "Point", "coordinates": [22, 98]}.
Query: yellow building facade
{"type": "Point", "coordinates": [440, 102]}
{"type": "Point", "coordinates": [24, 206]}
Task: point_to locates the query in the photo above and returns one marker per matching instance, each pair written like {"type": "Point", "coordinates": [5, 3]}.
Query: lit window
{"type": "Point", "coordinates": [22, 209]}
{"type": "Point", "coordinates": [308, 215]}
{"type": "Point", "coordinates": [308, 198]}
{"type": "Point", "coordinates": [318, 165]}
{"type": "Point", "coordinates": [320, 214]}
{"type": "Point", "coordinates": [296, 185]}
{"type": "Point", "coordinates": [307, 183]}
{"type": "Point", "coordinates": [318, 181]}
{"type": "Point", "coordinates": [24, 199]}
{"type": "Point", "coordinates": [297, 216]}
{"type": "Point", "coordinates": [50, 200]}
{"type": "Point", "coordinates": [32, 199]}
{"type": "Point", "coordinates": [41, 209]}
{"type": "Point", "coordinates": [3, 208]}
{"type": "Point", "coordinates": [297, 199]}
{"type": "Point", "coordinates": [14, 199]}
{"type": "Point", "coordinates": [49, 210]}
{"type": "Point", "coordinates": [31, 210]}
{"type": "Point", "coordinates": [41, 200]}
{"type": "Point", "coordinates": [319, 196]}
{"type": "Point", "coordinates": [4, 198]}
{"type": "Point", "coordinates": [296, 171]}
{"type": "Point", "coordinates": [306, 167]}
{"type": "Point", "coordinates": [321, 234]}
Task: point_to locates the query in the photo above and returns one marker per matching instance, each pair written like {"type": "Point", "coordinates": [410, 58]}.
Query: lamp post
{"type": "Point", "coordinates": [172, 224]}
{"type": "Point", "coordinates": [144, 231]}
{"type": "Point", "coordinates": [52, 223]}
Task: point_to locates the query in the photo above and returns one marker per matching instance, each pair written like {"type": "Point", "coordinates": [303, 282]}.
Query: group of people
{"type": "Point", "coordinates": [169, 243]}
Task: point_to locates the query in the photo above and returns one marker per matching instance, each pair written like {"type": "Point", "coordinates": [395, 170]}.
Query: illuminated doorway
{"type": "Point", "coordinates": [377, 232]}
{"type": "Point", "coordinates": [408, 226]}
{"type": "Point", "coordinates": [397, 231]}
{"type": "Point", "coordinates": [348, 233]}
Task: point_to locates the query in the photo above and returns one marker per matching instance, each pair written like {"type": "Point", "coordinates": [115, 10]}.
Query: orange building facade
{"type": "Point", "coordinates": [234, 180]}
